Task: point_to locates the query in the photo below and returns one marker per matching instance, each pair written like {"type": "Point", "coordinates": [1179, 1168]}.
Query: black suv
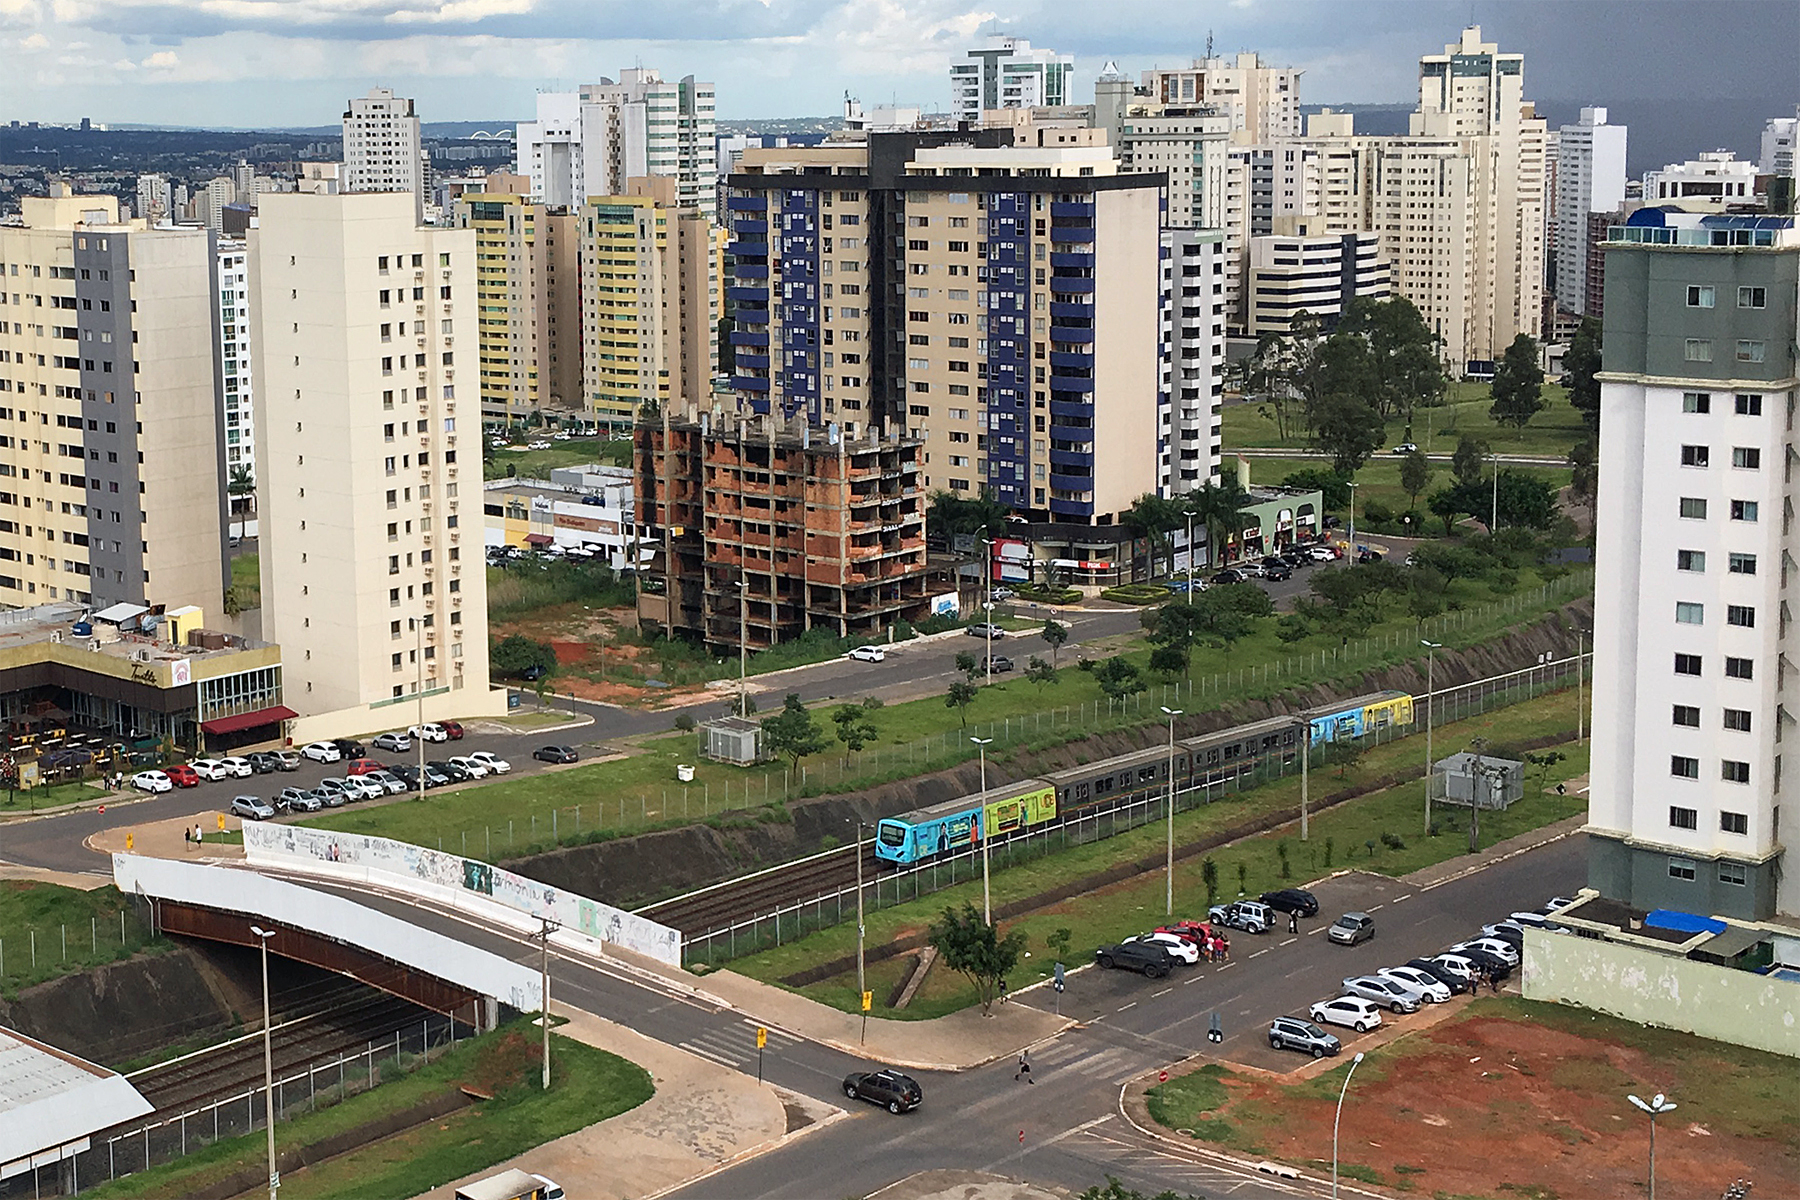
{"type": "Point", "coordinates": [349, 747]}
{"type": "Point", "coordinates": [1148, 957]}
{"type": "Point", "coordinates": [1293, 1033]}
{"type": "Point", "coordinates": [893, 1091]}
{"type": "Point", "coordinates": [1293, 900]}
{"type": "Point", "coordinates": [449, 770]}
{"type": "Point", "coordinates": [1456, 983]}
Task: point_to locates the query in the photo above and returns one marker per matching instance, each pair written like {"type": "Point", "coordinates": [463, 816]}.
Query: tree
{"type": "Point", "coordinates": [1216, 506]}
{"type": "Point", "coordinates": [968, 664]}
{"type": "Point", "coordinates": [1118, 678]}
{"type": "Point", "coordinates": [1403, 354]}
{"type": "Point", "coordinates": [1467, 463]}
{"type": "Point", "coordinates": [1151, 518]}
{"type": "Point", "coordinates": [1055, 633]}
{"type": "Point", "coordinates": [950, 514]}
{"type": "Point", "coordinates": [793, 732]}
{"type": "Point", "coordinates": [241, 483]}
{"type": "Point", "coordinates": [854, 727]}
{"type": "Point", "coordinates": [1114, 1190]}
{"type": "Point", "coordinates": [1347, 427]}
{"type": "Point", "coordinates": [1415, 475]}
{"type": "Point", "coordinates": [959, 697]}
{"type": "Point", "coordinates": [1039, 672]}
{"type": "Point", "coordinates": [1209, 875]}
{"type": "Point", "coordinates": [975, 950]}
{"type": "Point", "coordinates": [1058, 941]}
{"type": "Point", "coordinates": [516, 655]}
{"type": "Point", "coordinates": [1170, 659]}
{"type": "Point", "coordinates": [1268, 372]}
{"type": "Point", "coordinates": [1230, 612]}
{"type": "Point", "coordinates": [1518, 387]}
{"type": "Point", "coordinates": [1448, 504]}
{"type": "Point", "coordinates": [1581, 362]}
{"type": "Point", "coordinates": [1584, 460]}
{"type": "Point", "coordinates": [1333, 488]}
{"type": "Point", "coordinates": [1343, 754]}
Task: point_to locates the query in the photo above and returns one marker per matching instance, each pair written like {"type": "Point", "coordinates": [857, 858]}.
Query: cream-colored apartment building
{"type": "Point", "coordinates": [111, 452]}
{"type": "Point", "coordinates": [367, 345]}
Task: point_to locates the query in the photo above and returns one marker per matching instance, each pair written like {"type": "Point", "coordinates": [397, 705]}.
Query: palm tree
{"type": "Point", "coordinates": [241, 483]}
{"type": "Point", "coordinates": [1216, 504]}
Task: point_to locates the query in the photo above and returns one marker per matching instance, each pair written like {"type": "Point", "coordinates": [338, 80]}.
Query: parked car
{"type": "Point", "coordinates": [337, 790]}
{"type": "Point", "coordinates": [893, 1091]}
{"type": "Point", "coordinates": [1194, 931]}
{"type": "Point", "coordinates": [151, 781]}
{"type": "Point", "coordinates": [391, 783]}
{"type": "Point", "coordinates": [211, 769]}
{"type": "Point", "coordinates": [252, 807]}
{"type": "Point", "coordinates": [1369, 556]}
{"type": "Point", "coordinates": [407, 774]}
{"type": "Point", "coordinates": [493, 762]}
{"type": "Point", "coordinates": [1493, 947]}
{"type": "Point", "coordinates": [867, 654]}
{"type": "Point", "coordinates": [394, 743]}
{"type": "Point", "coordinates": [1353, 1012]}
{"type": "Point", "coordinates": [1405, 448]}
{"type": "Point", "coordinates": [1249, 569]}
{"type": "Point", "coordinates": [1457, 981]}
{"type": "Point", "coordinates": [454, 729]}
{"type": "Point", "coordinates": [449, 770]}
{"type": "Point", "coordinates": [1324, 553]}
{"type": "Point", "coordinates": [1000, 663]}
{"type": "Point", "coordinates": [1251, 916]}
{"type": "Point", "coordinates": [240, 768]}
{"type": "Point", "coordinates": [534, 672]}
{"type": "Point", "coordinates": [323, 752]}
{"type": "Point", "coordinates": [1178, 947]}
{"type": "Point", "coordinates": [1292, 900]}
{"type": "Point", "coordinates": [1003, 593]}
{"type": "Point", "coordinates": [359, 787]}
{"type": "Point", "coordinates": [1151, 958]}
{"type": "Point", "coordinates": [349, 747]}
{"type": "Point", "coordinates": [295, 799]}
{"type": "Point", "coordinates": [431, 732]}
{"type": "Point", "coordinates": [1292, 1033]}
{"type": "Point", "coordinates": [555, 754]}
{"type": "Point", "coordinates": [1510, 932]}
{"type": "Point", "coordinates": [1430, 988]}
{"type": "Point", "coordinates": [1352, 928]}
{"type": "Point", "coordinates": [469, 767]}
{"type": "Point", "coordinates": [361, 766]}
{"type": "Point", "coordinates": [1388, 993]}
{"type": "Point", "coordinates": [1228, 575]}
{"type": "Point", "coordinates": [1461, 966]}
{"type": "Point", "coordinates": [983, 630]}
{"type": "Point", "coordinates": [286, 760]}
{"type": "Point", "coordinates": [182, 775]}
{"type": "Point", "coordinates": [262, 762]}
{"type": "Point", "coordinates": [1278, 572]}
{"type": "Point", "coordinates": [1296, 556]}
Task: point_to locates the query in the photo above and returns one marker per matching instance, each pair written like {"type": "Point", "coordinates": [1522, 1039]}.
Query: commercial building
{"type": "Point", "coordinates": [1590, 178]}
{"type": "Point", "coordinates": [111, 455]}
{"type": "Point", "coordinates": [1316, 275]}
{"type": "Point", "coordinates": [1010, 321]}
{"type": "Point", "coordinates": [590, 142]}
{"type": "Point", "coordinates": [382, 152]}
{"type": "Point", "coordinates": [235, 342]}
{"type": "Point", "coordinates": [1693, 686]}
{"type": "Point", "coordinates": [586, 512]}
{"type": "Point", "coordinates": [368, 581]}
{"type": "Point", "coordinates": [1005, 72]}
{"type": "Point", "coordinates": [1718, 181]}
{"type": "Point", "coordinates": [651, 298]}
{"type": "Point", "coordinates": [1190, 438]}
{"type": "Point", "coordinates": [529, 297]}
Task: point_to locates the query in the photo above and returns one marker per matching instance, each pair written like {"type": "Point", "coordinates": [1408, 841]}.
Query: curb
{"type": "Point", "coordinates": [580, 722]}
{"type": "Point", "coordinates": [756, 1151]}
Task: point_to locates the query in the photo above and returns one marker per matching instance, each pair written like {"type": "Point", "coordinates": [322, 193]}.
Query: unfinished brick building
{"type": "Point", "coordinates": [822, 531]}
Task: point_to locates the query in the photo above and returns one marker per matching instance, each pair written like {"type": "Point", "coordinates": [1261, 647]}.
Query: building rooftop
{"type": "Point", "coordinates": [117, 632]}
{"type": "Point", "coordinates": [51, 1102]}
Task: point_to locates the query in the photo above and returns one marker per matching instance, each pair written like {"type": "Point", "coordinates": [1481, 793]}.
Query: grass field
{"type": "Point", "coordinates": [47, 930]}
{"type": "Point", "coordinates": [1378, 482]}
{"type": "Point", "coordinates": [537, 464]}
{"type": "Point", "coordinates": [1339, 838]}
{"type": "Point", "coordinates": [587, 1086]}
{"type": "Point", "coordinates": [52, 796]}
{"type": "Point", "coordinates": [246, 580]}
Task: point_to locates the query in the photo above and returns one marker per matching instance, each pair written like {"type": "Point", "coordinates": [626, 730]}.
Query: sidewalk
{"type": "Point", "coordinates": [1466, 864]}
{"type": "Point", "coordinates": [702, 1117]}
{"type": "Point", "coordinates": [164, 839]}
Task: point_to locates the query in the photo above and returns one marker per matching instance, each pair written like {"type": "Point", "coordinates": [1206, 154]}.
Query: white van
{"type": "Point", "coordinates": [510, 1185]}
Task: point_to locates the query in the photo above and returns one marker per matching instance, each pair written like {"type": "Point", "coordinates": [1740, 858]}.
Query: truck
{"type": "Point", "coordinates": [510, 1185]}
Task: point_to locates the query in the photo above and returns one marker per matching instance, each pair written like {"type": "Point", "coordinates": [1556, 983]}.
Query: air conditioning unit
{"type": "Point", "coordinates": [56, 636]}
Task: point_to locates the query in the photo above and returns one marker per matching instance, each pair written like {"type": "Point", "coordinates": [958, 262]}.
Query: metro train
{"type": "Point", "coordinates": [953, 825]}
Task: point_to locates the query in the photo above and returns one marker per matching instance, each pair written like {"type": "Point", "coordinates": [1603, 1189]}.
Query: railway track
{"type": "Point", "coordinates": [697, 914]}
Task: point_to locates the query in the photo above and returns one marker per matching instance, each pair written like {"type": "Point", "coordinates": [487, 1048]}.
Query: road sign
{"type": "Point", "coordinates": [1059, 985]}
{"type": "Point", "coordinates": [1214, 1033]}
{"type": "Point", "coordinates": [1162, 1076]}
{"type": "Point", "coordinates": [221, 821]}
{"type": "Point", "coordinates": [762, 1037]}
{"type": "Point", "coordinates": [128, 841]}
{"type": "Point", "coordinates": [868, 1001]}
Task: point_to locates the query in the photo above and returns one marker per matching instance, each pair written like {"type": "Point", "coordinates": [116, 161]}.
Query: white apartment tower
{"type": "Point", "coordinates": [1717, 181]}
{"type": "Point", "coordinates": [1694, 683]}
{"type": "Point", "coordinates": [1006, 72]}
{"type": "Point", "coordinates": [1263, 102]}
{"type": "Point", "coordinates": [382, 152]}
{"type": "Point", "coordinates": [1192, 382]}
{"type": "Point", "coordinates": [1778, 137]}
{"type": "Point", "coordinates": [370, 580]}
{"type": "Point", "coordinates": [153, 198]}
{"type": "Point", "coordinates": [240, 389]}
{"type": "Point", "coordinates": [590, 142]}
{"type": "Point", "coordinates": [1590, 178]}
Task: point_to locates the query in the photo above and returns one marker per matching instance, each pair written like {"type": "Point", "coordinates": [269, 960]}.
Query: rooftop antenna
{"type": "Point", "coordinates": [1209, 43]}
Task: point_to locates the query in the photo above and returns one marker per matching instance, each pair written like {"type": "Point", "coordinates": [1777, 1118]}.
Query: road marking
{"type": "Point", "coordinates": [1376, 907]}
{"type": "Point", "coordinates": [1260, 953]}
{"type": "Point", "coordinates": [703, 1052]}
{"type": "Point", "coordinates": [1164, 992]}
{"type": "Point", "coordinates": [1194, 980]}
{"type": "Point", "coordinates": [1133, 1004]}
{"type": "Point", "coordinates": [1403, 899]}
{"type": "Point", "coordinates": [1320, 929]}
{"type": "Point", "coordinates": [1289, 942]}
{"type": "Point", "coordinates": [1228, 966]}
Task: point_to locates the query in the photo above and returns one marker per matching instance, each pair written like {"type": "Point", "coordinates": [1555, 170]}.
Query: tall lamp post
{"type": "Point", "coordinates": [1169, 881]}
{"type": "Point", "coordinates": [1656, 1105]}
{"type": "Point", "coordinates": [743, 642]}
{"type": "Point", "coordinates": [987, 603]}
{"type": "Point", "coordinates": [987, 901]}
{"type": "Point", "coordinates": [543, 937]}
{"type": "Point", "coordinates": [1353, 520]}
{"type": "Point", "coordinates": [1431, 649]}
{"type": "Point", "coordinates": [861, 984]}
{"type": "Point", "coordinates": [1190, 544]}
{"type": "Point", "coordinates": [1354, 1063]}
{"type": "Point", "coordinates": [419, 687]}
{"type": "Point", "coordinates": [1580, 705]}
{"type": "Point", "coordinates": [1494, 513]}
{"type": "Point", "coordinates": [262, 938]}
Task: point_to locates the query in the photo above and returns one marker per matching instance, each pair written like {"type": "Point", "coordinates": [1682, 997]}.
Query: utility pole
{"type": "Point", "coordinates": [262, 939]}
{"type": "Point", "coordinates": [1169, 881]}
{"type": "Point", "coordinates": [1305, 783]}
{"type": "Point", "coordinates": [743, 641]}
{"type": "Point", "coordinates": [987, 900]}
{"type": "Point", "coordinates": [1477, 774]}
{"type": "Point", "coordinates": [544, 967]}
{"type": "Point", "coordinates": [1352, 548]}
{"type": "Point", "coordinates": [1494, 515]}
{"type": "Point", "coordinates": [1431, 649]}
{"type": "Point", "coordinates": [862, 986]}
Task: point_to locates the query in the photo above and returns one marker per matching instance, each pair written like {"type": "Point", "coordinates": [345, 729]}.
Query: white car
{"type": "Point", "coordinates": [211, 768]}
{"type": "Point", "coordinates": [1175, 944]}
{"type": "Point", "coordinates": [323, 752]}
{"type": "Point", "coordinates": [151, 781]}
{"type": "Point", "coordinates": [476, 770]}
{"type": "Point", "coordinates": [1383, 991]}
{"type": "Point", "coordinates": [252, 807]}
{"type": "Point", "coordinates": [389, 782]}
{"type": "Point", "coordinates": [493, 762]}
{"type": "Point", "coordinates": [867, 654]}
{"type": "Point", "coordinates": [1322, 553]}
{"type": "Point", "coordinates": [358, 788]}
{"type": "Point", "coordinates": [1494, 946]}
{"type": "Point", "coordinates": [239, 767]}
{"type": "Point", "coordinates": [1457, 965]}
{"type": "Point", "coordinates": [432, 732]}
{"type": "Point", "coordinates": [1431, 991]}
{"type": "Point", "coordinates": [1353, 1012]}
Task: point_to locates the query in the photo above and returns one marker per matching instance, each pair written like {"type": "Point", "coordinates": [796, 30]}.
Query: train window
{"type": "Point", "coordinates": [1287, 737]}
{"type": "Point", "coordinates": [1103, 785]}
{"type": "Point", "coordinates": [1146, 773]}
{"type": "Point", "coordinates": [1232, 751]}
{"type": "Point", "coordinates": [1081, 791]}
{"type": "Point", "coordinates": [1212, 757]}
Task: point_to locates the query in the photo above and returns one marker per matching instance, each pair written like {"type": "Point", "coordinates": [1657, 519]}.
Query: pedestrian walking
{"type": "Point", "coordinates": [1224, 948]}
{"type": "Point", "coordinates": [199, 834]}
{"type": "Point", "coordinates": [1004, 992]}
{"type": "Point", "coordinates": [1494, 982]}
{"type": "Point", "coordinates": [1293, 922]}
{"type": "Point", "coordinates": [187, 835]}
{"type": "Point", "coordinates": [1024, 1071]}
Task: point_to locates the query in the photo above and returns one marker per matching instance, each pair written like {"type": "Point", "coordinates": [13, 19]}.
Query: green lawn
{"type": "Point", "coordinates": [1338, 839]}
{"type": "Point", "coordinates": [537, 464]}
{"type": "Point", "coordinates": [1378, 482]}
{"type": "Point", "coordinates": [53, 796]}
{"type": "Point", "coordinates": [587, 1086]}
{"type": "Point", "coordinates": [47, 930]}
{"type": "Point", "coordinates": [246, 580]}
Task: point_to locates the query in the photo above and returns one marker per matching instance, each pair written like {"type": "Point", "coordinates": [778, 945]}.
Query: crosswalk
{"type": "Point", "coordinates": [1109, 1065]}
{"type": "Point", "coordinates": [735, 1045]}
{"type": "Point", "coordinates": [1124, 1154]}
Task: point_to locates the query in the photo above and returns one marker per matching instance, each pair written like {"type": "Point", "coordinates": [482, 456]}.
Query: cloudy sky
{"type": "Point", "coordinates": [292, 62]}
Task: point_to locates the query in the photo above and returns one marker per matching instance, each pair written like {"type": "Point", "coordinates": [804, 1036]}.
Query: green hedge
{"type": "Point", "coordinates": [1137, 593]}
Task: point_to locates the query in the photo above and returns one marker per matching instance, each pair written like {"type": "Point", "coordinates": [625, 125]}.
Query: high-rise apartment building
{"type": "Point", "coordinates": [382, 152]}
{"type": "Point", "coordinates": [371, 581]}
{"type": "Point", "coordinates": [1590, 178]}
{"type": "Point", "coordinates": [153, 199]}
{"type": "Point", "coordinates": [1005, 72]}
{"type": "Point", "coordinates": [528, 286]}
{"type": "Point", "coordinates": [210, 202]}
{"type": "Point", "coordinates": [651, 299]}
{"type": "Point", "coordinates": [997, 300]}
{"type": "Point", "coordinates": [1319, 275]}
{"type": "Point", "coordinates": [588, 143]}
{"type": "Point", "coordinates": [1694, 685]}
{"type": "Point", "coordinates": [235, 342]}
{"type": "Point", "coordinates": [1777, 150]}
{"type": "Point", "coordinates": [111, 459]}
{"type": "Point", "coordinates": [1262, 102]}
{"type": "Point", "coordinates": [1190, 442]}
{"type": "Point", "coordinates": [1718, 181]}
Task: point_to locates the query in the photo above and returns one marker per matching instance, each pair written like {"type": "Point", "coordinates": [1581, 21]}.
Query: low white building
{"type": "Point", "coordinates": [583, 512]}
{"type": "Point", "coordinates": [1715, 182]}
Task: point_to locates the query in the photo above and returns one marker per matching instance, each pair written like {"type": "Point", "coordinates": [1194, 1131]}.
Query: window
{"type": "Point", "coordinates": [1734, 822]}
{"type": "Point", "coordinates": [1698, 349]}
{"type": "Point", "coordinates": [1696, 402]}
{"type": "Point", "coordinates": [1694, 456]}
{"type": "Point", "coordinates": [1741, 615]}
{"type": "Point", "coordinates": [1730, 872]}
{"type": "Point", "coordinates": [1752, 297]}
{"type": "Point", "coordinates": [1683, 767]}
{"type": "Point", "coordinates": [1689, 614]}
{"type": "Point", "coordinates": [1681, 868]}
{"type": "Point", "coordinates": [1751, 351]}
{"type": "Point", "coordinates": [1688, 715]}
{"type": "Point", "coordinates": [1738, 719]}
{"type": "Point", "coordinates": [1732, 771]}
{"type": "Point", "coordinates": [1747, 458]}
{"type": "Point", "coordinates": [1749, 404]}
{"type": "Point", "coordinates": [1690, 560]}
{"type": "Point", "coordinates": [1687, 664]}
{"type": "Point", "coordinates": [1742, 564]}
{"type": "Point", "coordinates": [1699, 296]}
{"type": "Point", "coordinates": [1743, 510]}
{"type": "Point", "coordinates": [1739, 668]}
{"type": "Point", "coordinates": [1693, 508]}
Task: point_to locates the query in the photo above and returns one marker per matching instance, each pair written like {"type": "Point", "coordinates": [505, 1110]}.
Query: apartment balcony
{"type": "Point", "coordinates": [1071, 285]}
{"type": "Point", "coordinates": [755, 297]}
{"type": "Point", "coordinates": [1071, 383]}
{"type": "Point", "coordinates": [740, 337]}
{"type": "Point", "coordinates": [749, 383]}
{"type": "Point", "coordinates": [1071, 433]}
{"type": "Point", "coordinates": [1083, 361]}
{"type": "Point", "coordinates": [747, 204]}
{"type": "Point", "coordinates": [751, 362]}
{"type": "Point", "coordinates": [1071, 208]}
{"type": "Point", "coordinates": [1075, 234]}
{"type": "Point", "coordinates": [1083, 261]}
{"type": "Point", "coordinates": [1066, 333]}
{"type": "Point", "coordinates": [748, 252]}
{"type": "Point", "coordinates": [751, 270]}
{"type": "Point", "coordinates": [1064, 308]}
{"type": "Point", "coordinates": [750, 225]}
{"type": "Point", "coordinates": [1071, 508]}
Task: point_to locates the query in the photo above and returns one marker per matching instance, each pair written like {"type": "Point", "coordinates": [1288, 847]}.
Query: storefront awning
{"type": "Point", "coordinates": [249, 720]}
{"type": "Point", "coordinates": [538, 539]}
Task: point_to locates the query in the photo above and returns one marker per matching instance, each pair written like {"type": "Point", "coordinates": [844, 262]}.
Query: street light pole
{"type": "Point", "coordinates": [987, 901]}
{"type": "Point", "coordinates": [1657, 1104]}
{"type": "Point", "coordinates": [1190, 570]}
{"type": "Point", "coordinates": [861, 983]}
{"type": "Point", "coordinates": [262, 938]}
{"type": "Point", "coordinates": [987, 604]}
{"type": "Point", "coordinates": [1431, 649]}
{"type": "Point", "coordinates": [544, 969]}
{"type": "Point", "coordinates": [1580, 704]}
{"type": "Point", "coordinates": [743, 639]}
{"type": "Point", "coordinates": [1305, 781]}
{"type": "Point", "coordinates": [1352, 547]}
{"type": "Point", "coordinates": [419, 684]}
{"type": "Point", "coordinates": [1169, 882]}
{"type": "Point", "coordinates": [1494, 516]}
{"type": "Point", "coordinates": [1354, 1063]}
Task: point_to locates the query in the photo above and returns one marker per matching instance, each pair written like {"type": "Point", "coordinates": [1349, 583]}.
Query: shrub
{"type": "Point", "coordinates": [1136, 593]}
{"type": "Point", "coordinates": [685, 722]}
{"type": "Point", "coordinates": [1330, 850]}
{"type": "Point", "coordinates": [1393, 841]}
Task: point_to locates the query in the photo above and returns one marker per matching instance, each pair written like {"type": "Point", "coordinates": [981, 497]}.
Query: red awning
{"type": "Point", "coordinates": [538, 539]}
{"type": "Point", "coordinates": [249, 720]}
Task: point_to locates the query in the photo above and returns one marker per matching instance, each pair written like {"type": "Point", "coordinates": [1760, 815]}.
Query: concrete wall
{"type": "Point", "coordinates": [1655, 989]}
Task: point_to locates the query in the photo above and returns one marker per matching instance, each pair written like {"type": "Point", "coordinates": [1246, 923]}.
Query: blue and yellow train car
{"type": "Point", "coordinates": [955, 824]}
{"type": "Point", "coordinates": [1361, 716]}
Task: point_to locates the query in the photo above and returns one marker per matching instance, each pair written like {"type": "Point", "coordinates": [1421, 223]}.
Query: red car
{"type": "Point", "coordinates": [182, 775]}
{"type": "Point", "coordinates": [454, 729]}
{"type": "Point", "coordinates": [1193, 931]}
{"type": "Point", "coordinates": [362, 766]}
